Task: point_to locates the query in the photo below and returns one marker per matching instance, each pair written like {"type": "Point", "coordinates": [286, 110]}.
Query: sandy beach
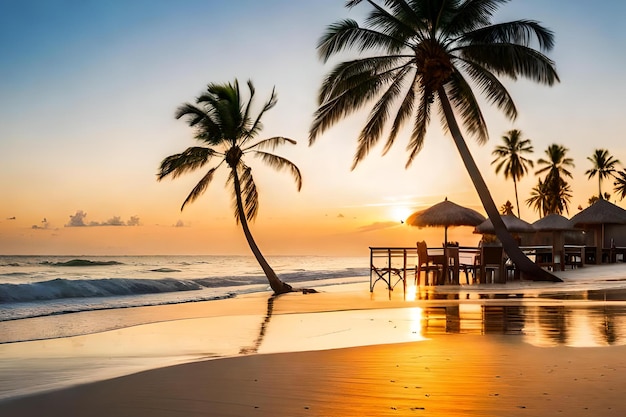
{"type": "Point", "coordinates": [520, 349]}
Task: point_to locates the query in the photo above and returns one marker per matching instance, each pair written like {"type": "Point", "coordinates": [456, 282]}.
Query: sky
{"type": "Point", "coordinates": [88, 91]}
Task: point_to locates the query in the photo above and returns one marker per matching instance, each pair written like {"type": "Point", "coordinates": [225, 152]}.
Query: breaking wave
{"type": "Point", "coordinates": [63, 288]}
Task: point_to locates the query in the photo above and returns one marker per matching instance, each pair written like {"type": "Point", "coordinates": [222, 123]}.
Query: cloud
{"type": "Point", "coordinates": [44, 224]}
{"type": "Point", "coordinates": [78, 220]}
{"type": "Point", "coordinates": [377, 226]}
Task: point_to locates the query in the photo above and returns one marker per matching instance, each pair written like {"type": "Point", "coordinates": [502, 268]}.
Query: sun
{"type": "Point", "coordinates": [400, 213]}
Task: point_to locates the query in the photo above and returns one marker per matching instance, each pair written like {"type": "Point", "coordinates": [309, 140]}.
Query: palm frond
{"type": "Point", "coordinates": [400, 24]}
{"type": "Point", "coordinates": [347, 34]}
{"type": "Point", "coordinates": [193, 113]}
{"type": "Point", "coordinates": [249, 194]}
{"type": "Point", "coordinates": [182, 163]}
{"type": "Point", "coordinates": [422, 118]}
{"type": "Point", "coordinates": [256, 125]}
{"type": "Point", "coordinates": [620, 184]}
{"type": "Point", "coordinates": [520, 32]}
{"type": "Point", "coordinates": [464, 101]}
{"type": "Point", "coordinates": [404, 112]}
{"type": "Point", "coordinates": [246, 112]}
{"type": "Point", "coordinates": [348, 74]}
{"type": "Point", "coordinates": [200, 187]}
{"type": "Point", "coordinates": [360, 89]}
{"type": "Point", "coordinates": [494, 91]}
{"type": "Point", "coordinates": [279, 163]}
{"type": "Point", "coordinates": [373, 129]}
{"type": "Point", "coordinates": [513, 61]}
{"type": "Point", "coordinates": [472, 14]}
{"type": "Point", "coordinates": [270, 143]}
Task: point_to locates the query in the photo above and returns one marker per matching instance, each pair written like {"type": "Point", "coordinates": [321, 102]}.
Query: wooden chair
{"type": "Point", "coordinates": [492, 259]}
{"type": "Point", "coordinates": [424, 264]}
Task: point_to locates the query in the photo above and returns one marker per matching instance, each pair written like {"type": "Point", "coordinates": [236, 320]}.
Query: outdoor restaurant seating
{"type": "Point", "coordinates": [491, 259]}
{"type": "Point", "coordinates": [427, 263]}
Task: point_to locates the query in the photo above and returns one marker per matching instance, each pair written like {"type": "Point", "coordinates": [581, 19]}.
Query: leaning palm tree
{"type": "Point", "coordinates": [603, 165]}
{"type": "Point", "coordinates": [620, 184]}
{"type": "Point", "coordinates": [429, 53]}
{"type": "Point", "coordinates": [225, 126]}
{"type": "Point", "coordinates": [509, 157]}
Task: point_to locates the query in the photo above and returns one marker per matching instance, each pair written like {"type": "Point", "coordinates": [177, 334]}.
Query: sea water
{"type": "Point", "coordinates": [46, 288]}
{"type": "Point", "coordinates": [34, 286]}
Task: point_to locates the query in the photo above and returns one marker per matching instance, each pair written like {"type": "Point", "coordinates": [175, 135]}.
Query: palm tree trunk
{"type": "Point", "coordinates": [276, 284]}
{"type": "Point", "coordinates": [599, 187]}
{"type": "Point", "coordinates": [516, 198]}
{"type": "Point", "coordinates": [528, 269]}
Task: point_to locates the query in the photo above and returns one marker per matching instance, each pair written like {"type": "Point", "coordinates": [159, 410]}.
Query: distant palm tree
{"type": "Point", "coordinates": [507, 208]}
{"type": "Point", "coordinates": [539, 199]}
{"type": "Point", "coordinates": [603, 165]}
{"type": "Point", "coordinates": [561, 199]}
{"type": "Point", "coordinates": [546, 198]}
{"type": "Point", "coordinates": [556, 164]}
{"type": "Point", "coordinates": [509, 156]}
{"type": "Point", "coordinates": [620, 184]}
{"type": "Point", "coordinates": [432, 52]}
{"type": "Point", "coordinates": [224, 124]}
{"type": "Point", "coordinates": [556, 169]}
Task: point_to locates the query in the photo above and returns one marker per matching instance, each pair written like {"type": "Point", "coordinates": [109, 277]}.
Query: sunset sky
{"type": "Point", "coordinates": [88, 91]}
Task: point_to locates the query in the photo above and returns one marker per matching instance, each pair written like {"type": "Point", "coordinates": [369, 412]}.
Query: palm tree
{"type": "Point", "coordinates": [546, 199]}
{"type": "Point", "coordinates": [620, 184]}
{"type": "Point", "coordinates": [226, 128]}
{"type": "Point", "coordinates": [556, 168]}
{"type": "Point", "coordinates": [509, 156]}
{"type": "Point", "coordinates": [425, 53]}
{"type": "Point", "coordinates": [507, 208]}
{"type": "Point", "coordinates": [560, 198]}
{"type": "Point", "coordinates": [556, 164]}
{"type": "Point", "coordinates": [603, 166]}
{"type": "Point", "coordinates": [539, 199]}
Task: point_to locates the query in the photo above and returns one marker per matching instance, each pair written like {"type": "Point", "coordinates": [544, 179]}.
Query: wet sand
{"type": "Point", "coordinates": [457, 352]}
{"type": "Point", "coordinates": [453, 375]}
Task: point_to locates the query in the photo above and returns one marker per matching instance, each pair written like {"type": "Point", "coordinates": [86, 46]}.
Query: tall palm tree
{"type": "Point", "coordinates": [509, 156]}
{"type": "Point", "coordinates": [425, 53]}
{"type": "Point", "coordinates": [603, 165]}
{"type": "Point", "coordinates": [556, 169]}
{"type": "Point", "coordinates": [620, 184]}
{"type": "Point", "coordinates": [225, 126]}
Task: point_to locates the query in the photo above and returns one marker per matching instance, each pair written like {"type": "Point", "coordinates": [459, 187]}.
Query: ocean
{"type": "Point", "coordinates": [35, 286]}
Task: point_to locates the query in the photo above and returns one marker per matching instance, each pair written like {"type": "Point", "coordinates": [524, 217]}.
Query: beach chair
{"type": "Point", "coordinates": [424, 265]}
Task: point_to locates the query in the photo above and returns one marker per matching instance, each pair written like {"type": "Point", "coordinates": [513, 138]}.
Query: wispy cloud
{"type": "Point", "coordinates": [378, 226]}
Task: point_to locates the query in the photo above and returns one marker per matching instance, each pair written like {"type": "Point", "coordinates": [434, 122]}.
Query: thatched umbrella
{"type": "Point", "coordinates": [445, 214]}
{"type": "Point", "coordinates": [513, 224]}
{"type": "Point", "coordinates": [556, 224]}
{"type": "Point", "coordinates": [553, 223]}
{"type": "Point", "coordinates": [600, 213]}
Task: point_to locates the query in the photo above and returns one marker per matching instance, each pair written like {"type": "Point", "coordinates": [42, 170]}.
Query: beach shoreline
{"type": "Point", "coordinates": [307, 333]}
